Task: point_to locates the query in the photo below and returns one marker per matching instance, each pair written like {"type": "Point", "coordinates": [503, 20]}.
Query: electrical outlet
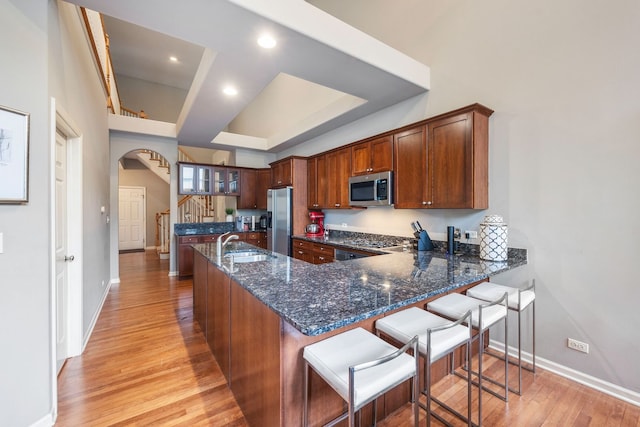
{"type": "Point", "coordinates": [344, 225]}
{"type": "Point", "coordinates": [578, 345]}
{"type": "Point", "coordinates": [470, 234]}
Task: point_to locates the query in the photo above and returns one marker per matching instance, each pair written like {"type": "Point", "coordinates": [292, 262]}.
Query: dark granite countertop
{"type": "Point", "coordinates": [316, 299]}
{"type": "Point", "coordinates": [203, 228]}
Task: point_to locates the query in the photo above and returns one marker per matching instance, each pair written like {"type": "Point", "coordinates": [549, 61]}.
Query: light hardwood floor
{"type": "Point", "coordinates": [147, 363]}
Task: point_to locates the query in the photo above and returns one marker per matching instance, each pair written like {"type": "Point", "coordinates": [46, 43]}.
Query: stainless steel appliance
{"type": "Point", "coordinates": [279, 220]}
{"type": "Point", "coordinates": [375, 189]}
{"type": "Point", "coordinates": [345, 255]}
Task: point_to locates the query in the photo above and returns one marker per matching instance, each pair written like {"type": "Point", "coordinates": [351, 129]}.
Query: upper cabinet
{"type": "Point", "coordinates": [444, 162]}
{"type": "Point", "coordinates": [226, 181]}
{"type": "Point", "coordinates": [263, 179]}
{"type": "Point", "coordinates": [338, 168]}
{"type": "Point", "coordinates": [247, 199]}
{"type": "Point", "coordinates": [254, 184]}
{"type": "Point", "coordinates": [410, 168]}
{"type": "Point", "coordinates": [317, 182]}
{"type": "Point", "coordinates": [282, 173]}
{"type": "Point", "coordinates": [372, 156]}
{"type": "Point", "coordinates": [194, 178]}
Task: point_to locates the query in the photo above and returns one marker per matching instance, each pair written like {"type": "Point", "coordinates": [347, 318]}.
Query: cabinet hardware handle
{"type": "Point", "coordinates": [337, 205]}
{"type": "Point", "coordinates": [69, 258]}
{"type": "Point", "coordinates": [429, 202]}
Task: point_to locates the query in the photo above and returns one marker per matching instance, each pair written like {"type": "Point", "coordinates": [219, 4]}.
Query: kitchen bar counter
{"type": "Point", "coordinates": [316, 299]}
{"type": "Point", "coordinates": [258, 317]}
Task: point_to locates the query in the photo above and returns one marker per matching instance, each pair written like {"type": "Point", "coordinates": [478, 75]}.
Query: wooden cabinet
{"type": "Point", "coordinates": [371, 156]}
{"type": "Point", "coordinates": [256, 238]}
{"type": "Point", "coordinates": [199, 290]}
{"type": "Point", "coordinates": [185, 252]}
{"type": "Point", "coordinates": [248, 193]}
{"type": "Point", "coordinates": [317, 182]}
{"type": "Point", "coordinates": [218, 330]}
{"type": "Point", "coordinates": [338, 171]}
{"type": "Point", "coordinates": [302, 250]}
{"type": "Point", "coordinates": [323, 253]}
{"type": "Point", "coordinates": [282, 173]}
{"type": "Point", "coordinates": [263, 180]}
{"type": "Point", "coordinates": [226, 181]}
{"type": "Point", "coordinates": [254, 184]}
{"type": "Point", "coordinates": [194, 178]}
{"type": "Point", "coordinates": [444, 163]}
{"type": "Point", "coordinates": [410, 168]}
{"type": "Point", "coordinates": [314, 253]}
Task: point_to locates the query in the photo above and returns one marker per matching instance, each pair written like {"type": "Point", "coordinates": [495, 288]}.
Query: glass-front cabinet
{"type": "Point", "coordinates": [194, 179]}
{"type": "Point", "coordinates": [226, 181]}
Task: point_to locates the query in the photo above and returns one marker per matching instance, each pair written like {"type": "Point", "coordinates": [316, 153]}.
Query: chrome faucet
{"type": "Point", "coordinates": [220, 244]}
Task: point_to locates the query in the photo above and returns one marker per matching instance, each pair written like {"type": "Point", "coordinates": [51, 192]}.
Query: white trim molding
{"type": "Point", "coordinates": [611, 389]}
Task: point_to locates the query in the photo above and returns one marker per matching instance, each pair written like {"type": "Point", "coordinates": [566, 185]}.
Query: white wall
{"type": "Point", "coordinates": [562, 79]}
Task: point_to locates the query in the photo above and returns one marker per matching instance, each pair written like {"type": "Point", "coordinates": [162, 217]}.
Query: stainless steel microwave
{"type": "Point", "coordinates": [371, 190]}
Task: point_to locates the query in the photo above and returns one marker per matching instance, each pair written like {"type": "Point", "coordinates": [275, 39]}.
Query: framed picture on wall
{"type": "Point", "coordinates": [14, 156]}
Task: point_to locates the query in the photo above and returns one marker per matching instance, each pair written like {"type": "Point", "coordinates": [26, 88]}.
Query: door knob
{"type": "Point", "coordinates": [69, 258]}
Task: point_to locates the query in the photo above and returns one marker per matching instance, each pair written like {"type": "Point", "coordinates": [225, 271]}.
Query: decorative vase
{"type": "Point", "coordinates": [229, 218]}
{"type": "Point", "coordinates": [493, 239]}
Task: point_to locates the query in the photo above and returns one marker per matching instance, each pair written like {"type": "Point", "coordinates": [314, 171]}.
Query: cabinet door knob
{"type": "Point", "coordinates": [337, 205]}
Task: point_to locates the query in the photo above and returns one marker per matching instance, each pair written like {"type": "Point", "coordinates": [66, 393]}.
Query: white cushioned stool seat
{"type": "Point", "coordinates": [332, 357]}
{"type": "Point", "coordinates": [413, 321]}
{"type": "Point", "coordinates": [456, 305]}
{"type": "Point", "coordinates": [489, 291]}
{"type": "Point", "coordinates": [518, 301]}
{"type": "Point", "coordinates": [437, 337]}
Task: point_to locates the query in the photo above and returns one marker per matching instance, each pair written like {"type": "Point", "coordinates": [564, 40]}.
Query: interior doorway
{"type": "Point", "coordinates": [132, 215]}
{"type": "Point", "coordinates": [66, 239]}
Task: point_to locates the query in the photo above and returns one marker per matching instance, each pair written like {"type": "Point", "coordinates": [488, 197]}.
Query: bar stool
{"type": "Point", "coordinates": [360, 367]}
{"type": "Point", "coordinates": [519, 300]}
{"type": "Point", "coordinates": [483, 316]}
{"type": "Point", "coordinates": [438, 337]}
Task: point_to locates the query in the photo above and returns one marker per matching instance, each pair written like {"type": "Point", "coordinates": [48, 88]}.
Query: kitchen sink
{"type": "Point", "coordinates": [250, 258]}
{"type": "Point", "coordinates": [246, 256]}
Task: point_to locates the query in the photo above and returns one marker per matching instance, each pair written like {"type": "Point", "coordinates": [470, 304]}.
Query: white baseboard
{"type": "Point", "coordinates": [94, 320]}
{"type": "Point", "coordinates": [46, 421]}
{"type": "Point", "coordinates": [614, 390]}
{"type": "Point", "coordinates": [173, 273]}
{"type": "Point", "coordinates": [114, 281]}
{"type": "Point", "coordinates": [150, 248]}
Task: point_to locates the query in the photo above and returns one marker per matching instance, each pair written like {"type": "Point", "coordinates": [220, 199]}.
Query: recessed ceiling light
{"type": "Point", "coordinates": [173, 59]}
{"type": "Point", "coordinates": [230, 91]}
{"type": "Point", "coordinates": [266, 41]}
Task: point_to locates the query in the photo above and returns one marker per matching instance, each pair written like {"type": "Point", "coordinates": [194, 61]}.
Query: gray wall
{"type": "Point", "coordinates": [25, 387]}
{"type": "Point", "coordinates": [159, 102]}
{"type": "Point", "coordinates": [157, 196]}
{"type": "Point", "coordinates": [45, 55]}
{"type": "Point", "coordinates": [561, 77]}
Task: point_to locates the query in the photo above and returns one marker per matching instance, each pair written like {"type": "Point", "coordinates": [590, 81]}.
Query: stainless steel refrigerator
{"type": "Point", "coordinates": [279, 220]}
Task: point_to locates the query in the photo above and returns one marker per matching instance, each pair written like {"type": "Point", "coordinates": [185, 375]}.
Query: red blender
{"type": "Point", "coordinates": [316, 228]}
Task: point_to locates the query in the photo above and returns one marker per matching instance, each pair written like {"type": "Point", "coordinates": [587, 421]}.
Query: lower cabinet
{"type": "Point", "coordinates": [257, 238]}
{"type": "Point", "coordinates": [185, 252]}
{"type": "Point", "coordinates": [218, 331]}
{"type": "Point", "coordinates": [314, 253]}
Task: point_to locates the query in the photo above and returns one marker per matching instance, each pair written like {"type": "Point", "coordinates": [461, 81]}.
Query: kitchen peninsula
{"type": "Point", "coordinates": [257, 316]}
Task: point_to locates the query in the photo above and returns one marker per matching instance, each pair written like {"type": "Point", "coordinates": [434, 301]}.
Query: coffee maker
{"type": "Point", "coordinates": [316, 228]}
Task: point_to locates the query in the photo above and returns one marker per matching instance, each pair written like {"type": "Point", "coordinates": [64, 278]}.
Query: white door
{"type": "Point", "coordinates": [131, 218]}
{"type": "Point", "coordinates": [62, 257]}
